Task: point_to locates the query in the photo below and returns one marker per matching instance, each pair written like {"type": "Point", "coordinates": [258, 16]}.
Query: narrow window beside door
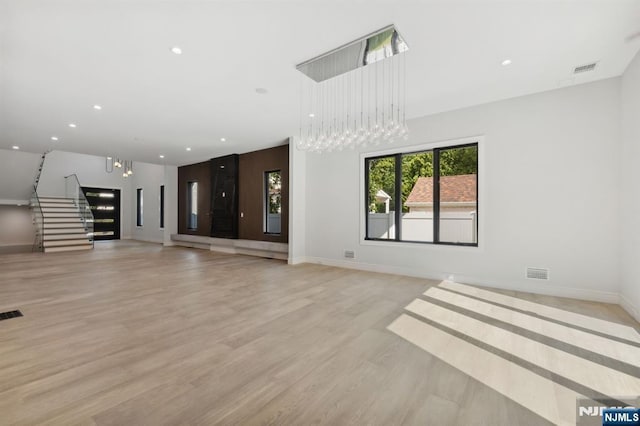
{"type": "Point", "coordinates": [161, 206]}
{"type": "Point", "coordinates": [139, 206]}
{"type": "Point", "coordinates": [192, 205]}
{"type": "Point", "coordinates": [273, 202]}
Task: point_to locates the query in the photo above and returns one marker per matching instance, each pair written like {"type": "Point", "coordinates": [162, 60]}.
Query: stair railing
{"type": "Point", "coordinates": [38, 221]}
{"type": "Point", "coordinates": [36, 209]}
{"type": "Point", "coordinates": [75, 193]}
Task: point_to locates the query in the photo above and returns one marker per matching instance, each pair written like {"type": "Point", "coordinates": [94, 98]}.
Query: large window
{"type": "Point", "coordinates": [273, 202]}
{"type": "Point", "coordinates": [427, 196]}
{"type": "Point", "coordinates": [139, 207]}
{"type": "Point", "coordinates": [192, 205]}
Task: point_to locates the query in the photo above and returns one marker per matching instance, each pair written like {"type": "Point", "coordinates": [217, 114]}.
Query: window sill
{"type": "Point", "coordinates": [423, 246]}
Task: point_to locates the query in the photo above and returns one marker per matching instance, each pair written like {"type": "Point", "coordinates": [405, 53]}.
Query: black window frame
{"type": "Point", "coordinates": [397, 202]}
{"type": "Point", "coordinates": [139, 207]}
{"type": "Point", "coordinates": [161, 206]}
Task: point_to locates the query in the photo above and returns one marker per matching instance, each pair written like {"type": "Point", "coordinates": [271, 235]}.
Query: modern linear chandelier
{"type": "Point", "coordinates": [126, 165]}
{"type": "Point", "coordinates": [355, 95]}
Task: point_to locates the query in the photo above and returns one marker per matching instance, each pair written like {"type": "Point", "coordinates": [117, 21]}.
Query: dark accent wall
{"type": "Point", "coordinates": [251, 194]}
{"type": "Point", "coordinates": [201, 173]}
{"type": "Point", "coordinates": [253, 166]}
{"type": "Point", "coordinates": [224, 196]}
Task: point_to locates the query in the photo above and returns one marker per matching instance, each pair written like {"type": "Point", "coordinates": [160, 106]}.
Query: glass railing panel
{"type": "Point", "coordinates": [74, 192]}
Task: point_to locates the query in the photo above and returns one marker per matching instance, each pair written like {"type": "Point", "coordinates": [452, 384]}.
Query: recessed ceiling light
{"type": "Point", "coordinates": [161, 156]}
{"type": "Point", "coordinates": [15, 147]}
{"type": "Point", "coordinates": [109, 158]}
{"type": "Point", "coordinates": [506, 62]}
{"type": "Point", "coordinates": [176, 50]}
{"type": "Point", "coordinates": [223, 139]}
{"type": "Point", "coordinates": [312, 115]}
{"type": "Point", "coordinates": [262, 90]}
{"type": "Point", "coordinates": [188, 149]}
{"type": "Point", "coordinates": [72, 125]}
{"type": "Point", "coordinates": [98, 107]}
{"type": "Point", "coordinates": [54, 138]}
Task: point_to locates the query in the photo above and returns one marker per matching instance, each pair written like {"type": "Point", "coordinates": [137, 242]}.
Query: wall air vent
{"type": "Point", "coordinates": [537, 274]}
{"type": "Point", "coordinates": [349, 254]}
{"type": "Point", "coordinates": [585, 68]}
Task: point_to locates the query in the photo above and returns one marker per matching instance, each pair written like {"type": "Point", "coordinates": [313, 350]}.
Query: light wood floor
{"type": "Point", "coordinates": [137, 334]}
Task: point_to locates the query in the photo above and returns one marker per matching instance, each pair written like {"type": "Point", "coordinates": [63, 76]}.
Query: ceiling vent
{"type": "Point", "coordinates": [585, 68]}
{"type": "Point", "coordinates": [537, 273]}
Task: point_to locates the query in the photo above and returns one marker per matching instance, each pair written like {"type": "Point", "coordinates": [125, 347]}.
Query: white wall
{"type": "Point", "coordinates": [16, 227]}
{"type": "Point", "coordinates": [170, 203]}
{"type": "Point", "coordinates": [149, 177]}
{"type": "Point", "coordinates": [91, 171]}
{"type": "Point", "coordinates": [297, 203]}
{"type": "Point", "coordinates": [630, 188]}
{"type": "Point", "coordinates": [18, 172]}
{"type": "Point", "coordinates": [549, 168]}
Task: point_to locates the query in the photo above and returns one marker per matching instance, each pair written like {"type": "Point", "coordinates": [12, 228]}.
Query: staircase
{"type": "Point", "coordinates": [63, 227]}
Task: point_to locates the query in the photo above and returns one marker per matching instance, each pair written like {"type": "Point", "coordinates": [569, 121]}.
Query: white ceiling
{"type": "Point", "coordinates": [60, 57]}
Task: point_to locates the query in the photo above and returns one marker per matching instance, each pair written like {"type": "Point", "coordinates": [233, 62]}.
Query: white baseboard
{"type": "Point", "coordinates": [149, 240]}
{"type": "Point", "coordinates": [545, 289]}
{"type": "Point", "coordinates": [629, 307]}
{"type": "Point", "coordinates": [298, 260]}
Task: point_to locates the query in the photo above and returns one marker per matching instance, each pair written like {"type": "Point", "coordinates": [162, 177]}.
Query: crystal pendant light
{"type": "Point", "coordinates": [355, 95]}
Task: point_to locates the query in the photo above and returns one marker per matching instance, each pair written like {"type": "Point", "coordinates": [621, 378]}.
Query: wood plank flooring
{"type": "Point", "coordinates": [137, 334]}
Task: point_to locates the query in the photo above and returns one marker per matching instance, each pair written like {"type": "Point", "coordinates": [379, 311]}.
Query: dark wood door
{"type": "Point", "coordinates": [224, 196]}
{"type": "Point", "coordinates": [105, 206]}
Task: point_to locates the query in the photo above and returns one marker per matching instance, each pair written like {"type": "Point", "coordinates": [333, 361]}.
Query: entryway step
{"type": "Point", "coordinates": [67, 248]}
{"type": "Point", "coordinates": [66, 243]}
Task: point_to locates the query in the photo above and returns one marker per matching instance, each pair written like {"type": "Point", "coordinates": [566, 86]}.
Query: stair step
{"type": "Point", "coordinates": [65, 205]}
{"type": "Point", "coordinates": [74, 220]}
{"type": "Point", "coordinates": [65, 236]}
{"type": "Point", "coordinates": [64, 231]}
{"type": "Point", "coordinates": [67, 248]}
{"type": "Point", "coordinates": [55, 200]}
{"type": "Point", "coordinates": [61, 225]}
{"type": "Point", "coordinates": [64, 243]}
{"type": "Point", "coordinates": [61, 208]}
{"type": "Point", "coordinates": [73, 215]}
